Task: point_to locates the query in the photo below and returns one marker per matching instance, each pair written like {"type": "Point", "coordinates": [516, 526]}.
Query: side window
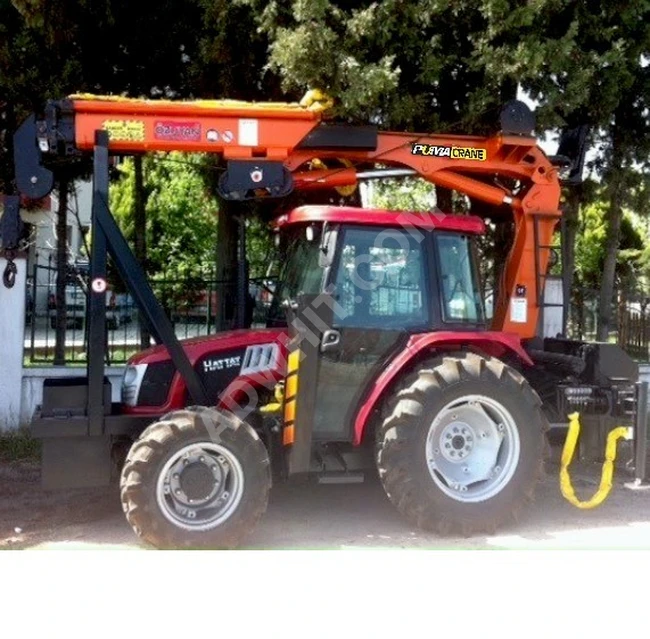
{"type": "Point", "coordinates": [380, 280]}
{"type": "Point", "coordinates": [460, 292]}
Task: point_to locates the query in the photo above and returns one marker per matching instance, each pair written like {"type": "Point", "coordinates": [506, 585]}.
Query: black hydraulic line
{"type": "Point", "coordinates": [137, 283]}
{"type": "Point", "coordinates": [242, 274]}
{"type": "Point", "coordinates": [570, 363]}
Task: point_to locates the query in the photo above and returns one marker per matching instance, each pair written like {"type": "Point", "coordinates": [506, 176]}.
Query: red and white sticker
{"type": "Point", "coordinates": [227, 136]}
{"type": "Point", "coordinates": [98, 285]}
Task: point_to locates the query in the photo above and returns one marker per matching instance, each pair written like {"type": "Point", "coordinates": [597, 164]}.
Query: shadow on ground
{"type": "Point", "coordinates": [330, 516]}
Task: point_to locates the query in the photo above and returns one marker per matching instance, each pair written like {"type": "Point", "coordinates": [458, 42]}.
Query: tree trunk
{"type": "Point", "coordinates": [140, 234]}
{"type": "Point", "coordinates": [571, 222]}
{"type": "Point", "coordinates": [444, 200]}
{"type": "Point", "coordinates": [61, 273]}
{"type": "Point", "coordinates": [226, 266]}
{"type": "Point", "coordinates": [612, 239]}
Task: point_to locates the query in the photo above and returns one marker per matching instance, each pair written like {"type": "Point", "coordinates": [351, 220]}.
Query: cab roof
{"type": "Point", "coordinates": [379, 217]}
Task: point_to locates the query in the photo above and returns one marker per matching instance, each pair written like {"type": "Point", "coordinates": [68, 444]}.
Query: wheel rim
{"type": "Point", "coordinates": [472, 448]}
{"type": "Point", "coordinates": [200, 486]}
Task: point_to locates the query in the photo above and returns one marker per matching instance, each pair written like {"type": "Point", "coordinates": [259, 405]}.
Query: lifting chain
{"type": "Point", "coordinates": [608, 467]}
{"type": "Point", "coordinates": [10, 272]}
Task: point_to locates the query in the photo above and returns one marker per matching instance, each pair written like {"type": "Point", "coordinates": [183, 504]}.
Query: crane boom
{"type": "Point", "coordinates": [270, 148]}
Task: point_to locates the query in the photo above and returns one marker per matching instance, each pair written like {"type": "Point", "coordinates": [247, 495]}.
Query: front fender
{"type": "Point", "coordinates": [491, 343]}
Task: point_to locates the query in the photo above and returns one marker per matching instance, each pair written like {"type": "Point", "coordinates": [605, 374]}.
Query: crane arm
{"type": "Point", "coordinates": [270, 147]}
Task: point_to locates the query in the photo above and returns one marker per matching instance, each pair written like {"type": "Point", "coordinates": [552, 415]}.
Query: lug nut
{"type": "Point", "coordinates": [466, 469]}
{"type": "Point", "coordinates": [202, 459]}
{"type": "Point", "coordinates": [448, 435]}
{"type": "Point", "coordinates": [436, 452]}
{"type": "Point", "coordinates": [175, 476]}
{"type": "Point", "coordinates": [447, 445]}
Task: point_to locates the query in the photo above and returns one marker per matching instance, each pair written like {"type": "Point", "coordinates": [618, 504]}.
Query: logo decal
{"type": "Point", "coordinates": [177, 131]}
{"type": "Point", "coordinates": [211, 365]}
{"type": "Point", "coordinates": [453, 152]}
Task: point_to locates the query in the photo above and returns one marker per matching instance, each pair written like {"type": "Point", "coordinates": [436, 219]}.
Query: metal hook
{"type": "Point", "coordinates": [9, 275]}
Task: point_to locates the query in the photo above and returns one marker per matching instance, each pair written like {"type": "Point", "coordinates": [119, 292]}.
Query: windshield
{"type": "Point", "coordinates": [460, 292]}
{"type": "Point", "coordinates": [299, 273]}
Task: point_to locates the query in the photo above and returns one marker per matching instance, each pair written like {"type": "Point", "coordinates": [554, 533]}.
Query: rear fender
{"type": "Point", "coordinates": [490, 343]}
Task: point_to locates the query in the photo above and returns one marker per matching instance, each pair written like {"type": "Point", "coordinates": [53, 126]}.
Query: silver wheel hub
{"type": "Point", "coordinates": [472, 448]}
{"type": "Point", "coordinates": [200, 486]}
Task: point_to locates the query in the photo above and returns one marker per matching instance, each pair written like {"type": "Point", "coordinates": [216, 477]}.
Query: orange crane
{"type": "Point", "coordinates": [267, 135]}
{"type": "Point", "coordinates": [407, 372]}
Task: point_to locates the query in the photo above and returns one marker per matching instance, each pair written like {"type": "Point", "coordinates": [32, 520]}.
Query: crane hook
{"type": "Point", "coordinates": [10, 272]}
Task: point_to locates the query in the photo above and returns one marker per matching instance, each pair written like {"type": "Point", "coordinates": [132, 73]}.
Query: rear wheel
{"type": "Point", "coordinates": [461, 445]}
{"type": "Point", "coordinates": [196, 479]}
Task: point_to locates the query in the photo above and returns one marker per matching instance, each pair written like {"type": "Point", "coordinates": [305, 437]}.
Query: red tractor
{"type": "Point", "coordinates": [378, 356]}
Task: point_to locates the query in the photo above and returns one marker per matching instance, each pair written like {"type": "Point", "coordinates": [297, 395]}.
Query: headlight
{"type": "Point", "coordinates": [133, 376]}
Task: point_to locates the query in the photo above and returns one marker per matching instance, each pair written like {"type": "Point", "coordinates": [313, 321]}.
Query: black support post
{"type": "Point", "coordinates": [97, 292]}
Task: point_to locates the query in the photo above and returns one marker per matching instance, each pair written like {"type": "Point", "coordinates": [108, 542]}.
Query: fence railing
{"type": "Point", "coordinates": [190, 303]}
{"type": "Point", "coordinates": [629, 326]}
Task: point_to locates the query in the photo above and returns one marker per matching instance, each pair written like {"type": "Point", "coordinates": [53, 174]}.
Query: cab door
{"type": "Point", "coordinates": [378, 296]}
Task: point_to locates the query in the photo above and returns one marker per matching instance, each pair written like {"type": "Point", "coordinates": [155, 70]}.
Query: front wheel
{"type": "Point", "coordinates": [196, 479]}
{"type": "Point", "coordinates": [461, 445]}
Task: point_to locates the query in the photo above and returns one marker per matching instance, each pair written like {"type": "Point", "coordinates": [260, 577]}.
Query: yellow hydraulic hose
{"type": "Point", "coordinates": [608, 467]}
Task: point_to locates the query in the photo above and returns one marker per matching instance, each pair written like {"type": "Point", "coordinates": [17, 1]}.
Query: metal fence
{"type": "Point", "coordinates": [191, 303]}
{"type": "Point", "coordinates": [629, 326]}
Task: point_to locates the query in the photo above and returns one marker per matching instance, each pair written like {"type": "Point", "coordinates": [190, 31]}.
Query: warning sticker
{"type": "Point", "coordinates": [519, 310]}
{"type": "Point", "coordinates": [98, 285]}
{"type": "Point", "coordinates": [248, 133]}
{"type": "Point", "coordinates": [124, 130]}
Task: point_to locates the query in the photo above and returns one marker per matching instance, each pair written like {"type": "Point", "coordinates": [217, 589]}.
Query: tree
{"type": "Point", "coordinates": [181, 214]}
{"type": "Point", "coordinates": [585, 63]}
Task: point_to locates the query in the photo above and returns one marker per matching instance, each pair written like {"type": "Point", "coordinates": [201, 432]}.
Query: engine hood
{"type": "Point", "coordinates": [198, 347]}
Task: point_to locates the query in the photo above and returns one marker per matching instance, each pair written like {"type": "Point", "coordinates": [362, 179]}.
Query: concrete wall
{"type": "Point", "coordinates": [12, 335]}
{"type": "Point", "coordinates": [32, 385]}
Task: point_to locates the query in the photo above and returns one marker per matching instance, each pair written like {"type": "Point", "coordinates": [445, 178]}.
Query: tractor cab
{"type": "Point", "coordinates": [384, 270]}
{"type": "Point", "coordinates": [356, 286]}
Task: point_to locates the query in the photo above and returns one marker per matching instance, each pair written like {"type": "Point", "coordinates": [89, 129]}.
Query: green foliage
{"type": "Point", "coordinates": [403, 64]}
{"type": "Point", "coordinates": [181, 214]}
{"type": "Point", "coordinates": [404, 195]}
{"type": "Point", "coordinates": [632, 267]}
{"type": "Point", "coordinates": [19, 446]}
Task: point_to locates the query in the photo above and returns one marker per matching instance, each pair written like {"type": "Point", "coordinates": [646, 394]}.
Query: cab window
{"type": "Point", "coordinates": [380, 280]}
{"type": "Point", "coordinates": [459, 288]}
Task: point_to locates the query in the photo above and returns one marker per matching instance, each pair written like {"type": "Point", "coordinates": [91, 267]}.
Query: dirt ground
{"type": "Point", "coordinates": [325, 516]}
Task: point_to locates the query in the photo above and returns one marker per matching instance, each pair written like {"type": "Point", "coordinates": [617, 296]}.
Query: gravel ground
{"type": "Point", "coordinates": [325, 516]}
